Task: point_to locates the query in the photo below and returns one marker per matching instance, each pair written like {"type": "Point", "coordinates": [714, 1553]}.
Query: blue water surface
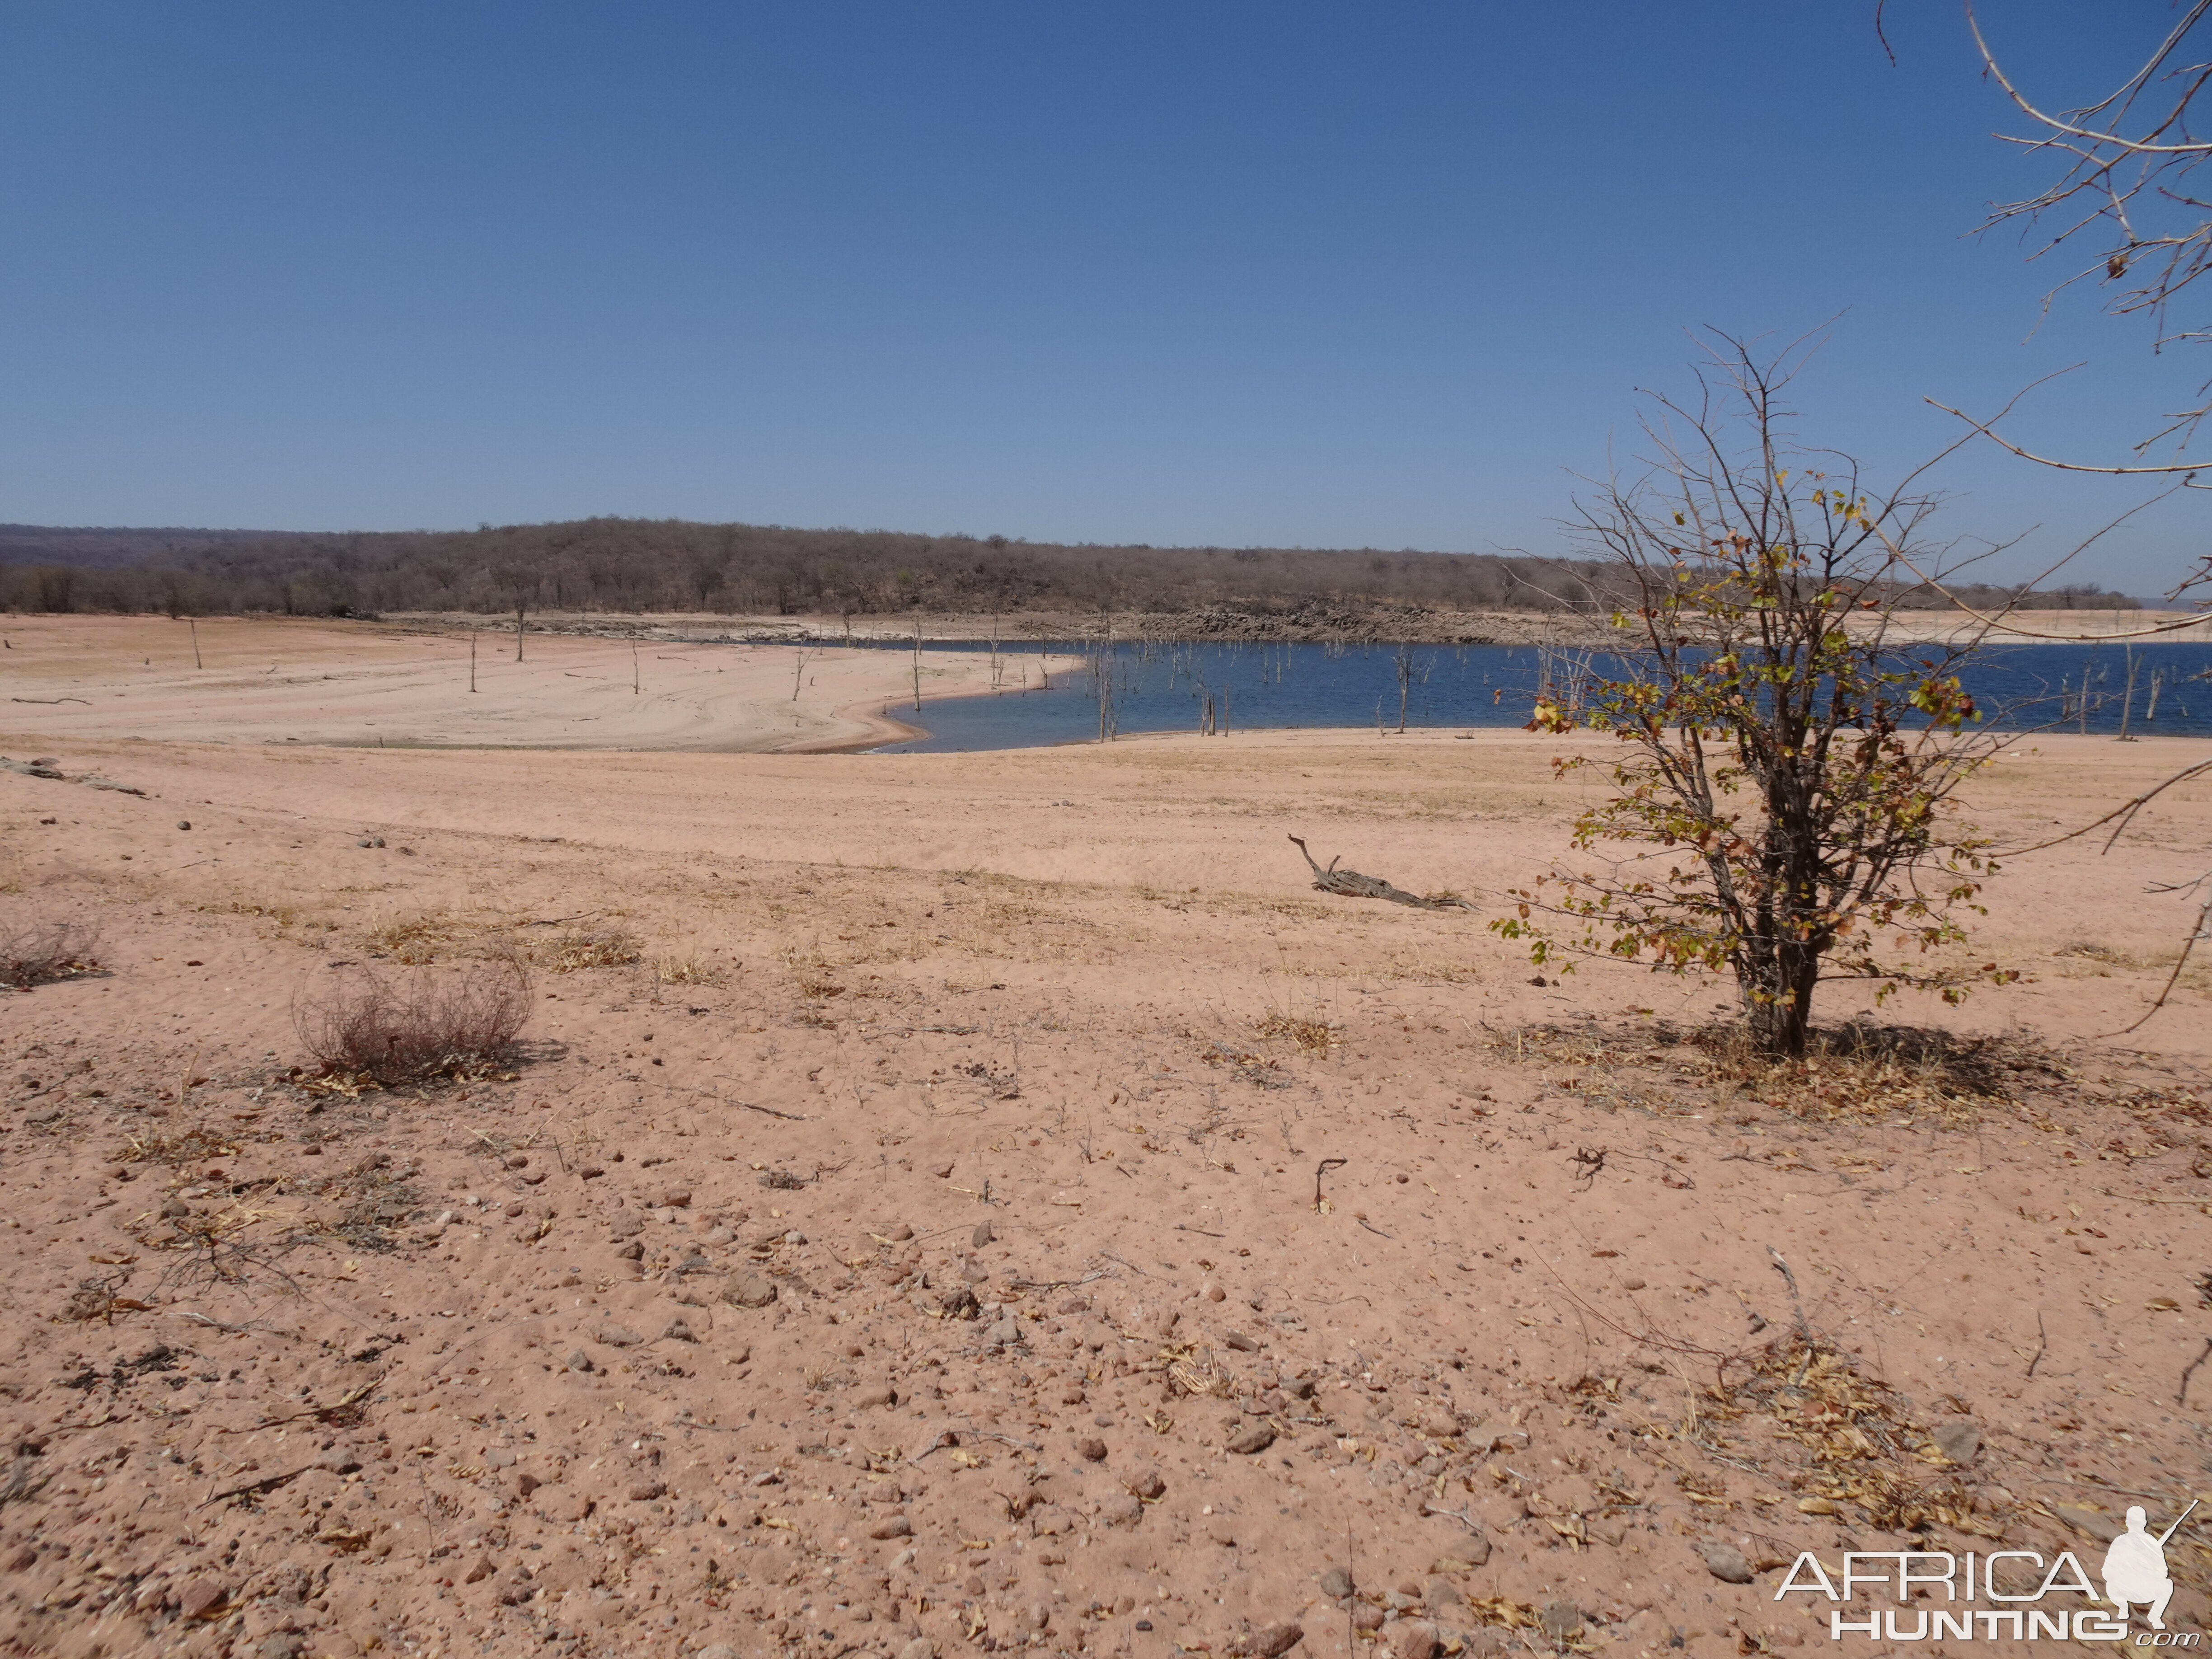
{"type": "Point", "coordinates": [1157, 686]}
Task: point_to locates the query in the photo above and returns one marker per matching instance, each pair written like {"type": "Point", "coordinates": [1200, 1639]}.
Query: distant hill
{"type": "Point", "coordinates": [645, 565]}
{"type": "Point", "coordinates": [95, 548]}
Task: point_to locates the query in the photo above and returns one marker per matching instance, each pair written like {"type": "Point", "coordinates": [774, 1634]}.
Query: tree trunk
{"type": "Point", "coordinates": [1777, 1000]}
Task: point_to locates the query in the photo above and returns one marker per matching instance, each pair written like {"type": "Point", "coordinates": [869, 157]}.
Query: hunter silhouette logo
{"type": "Point", "coordinates": [2134, 1566]}
{"type": "Point", "coordinates": [2022, 1595]}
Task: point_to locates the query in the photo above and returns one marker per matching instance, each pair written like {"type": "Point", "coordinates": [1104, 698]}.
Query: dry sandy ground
{"type": "Point", "coordinates": [265, 680]}
{"type": "Point", "coordinates": [916, 1248]}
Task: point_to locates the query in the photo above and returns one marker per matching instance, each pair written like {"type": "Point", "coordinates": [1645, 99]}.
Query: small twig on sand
{"type": "Point", "coordinates": [1460, 1516]}
{"type": "Point", "coordinates": [2188, 1371]}
{"type": "Point", "coordinates": [346, 1405]}
{"type": "Point", "coordinates": [1322, 1169]}
{"type": "Point", "coordinates": [1201, 1232]}
{"type": "Point", "coordinates": [1650, 1337]}
{"type": "Point", "coordinates": [1351, 1602]}
{"type": "Point", "coordinates": [938, 1445]}
{"type": "Point", "coordinates": [1372, 1228]}
{"type": "Point", "coordinates": [2043, 1342]}
{"type": "Point", "coordinates": [766, 1111]}
{"type": "Point", "coordinates": [260, 1327]}
{"type": "Point", "coordinates": [1804, 1330]}
{"type": "Point", "coordinates": [267, 1484]}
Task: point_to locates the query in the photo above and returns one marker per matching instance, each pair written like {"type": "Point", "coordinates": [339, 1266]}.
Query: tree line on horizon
{"type": "Point", "coordinates": [637, 566]}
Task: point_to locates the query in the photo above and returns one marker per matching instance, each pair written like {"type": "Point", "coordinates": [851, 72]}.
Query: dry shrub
{"type": "Point", "coordinates": [457, 1024]}
{"type": "Point", "coordinates": [598, 947]}
{"type": "Point", "coordinates": [33, 949]}
{"type": "Point", "coordinates": [1315, 1036]}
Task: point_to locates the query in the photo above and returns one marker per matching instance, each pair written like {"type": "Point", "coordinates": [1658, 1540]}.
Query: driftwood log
{"type": "Point", "coordinates": [1351, 885]}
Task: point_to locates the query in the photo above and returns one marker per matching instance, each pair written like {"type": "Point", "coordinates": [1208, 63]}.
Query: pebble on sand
{"type": "Point", "coordinates": [1960, 1442]}
{"type": "Point", "coordinates": [1561, 1619]}
{"type": "Point", "coordinates": [1723, 1561]}
{"type": "Point", "coordinates": [750, 1290]}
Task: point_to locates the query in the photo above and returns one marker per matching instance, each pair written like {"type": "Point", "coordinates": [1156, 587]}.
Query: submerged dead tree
{"type": "Point", "coordinates": [1350, 883]}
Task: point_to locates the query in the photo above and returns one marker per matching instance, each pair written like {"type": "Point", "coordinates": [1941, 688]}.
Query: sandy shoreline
{"type": "Point", "coordinates": [989, 1200]}
{"type": "Point", "coordinates": [382, 685]}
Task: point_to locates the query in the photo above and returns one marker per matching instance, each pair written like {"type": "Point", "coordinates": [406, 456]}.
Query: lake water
{"type": "Point", "coordinates": [1168, 688]}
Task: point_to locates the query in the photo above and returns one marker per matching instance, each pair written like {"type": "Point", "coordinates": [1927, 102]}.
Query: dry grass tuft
{"type": "Point", "coordinates": [459, 1024]}
{"type": "Point", "coordinates": [2093, 958]}
{"type": "Point", "coordinates": [284, 916]}
{"type": "Point", "coordinates": [687, 970]}
{"type": "Point", "coordinates": [35, 949]}
{"type": "Point", "coordinates": [416, 939]}
{"type": "Point", "coordinates": [1192, 1370]}
{"type": "Point", "coordinates": [196, 1144]}
{"type": "Point", "coordinates": [1313, 1035]}
{"type": "Point", "coordinates": [597, 947]}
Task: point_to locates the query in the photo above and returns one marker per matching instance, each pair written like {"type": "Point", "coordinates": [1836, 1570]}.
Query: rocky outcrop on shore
{"type": "Point", "coordinates": [1304, 621]}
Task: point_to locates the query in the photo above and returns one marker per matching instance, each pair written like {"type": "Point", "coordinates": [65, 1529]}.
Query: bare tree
{"type": "Point", "coordinates": [2125, 192]}
{"type": "Point", "coordinates": [521, 582]}
{"type": "Point", "coordinates": [1790, 763]}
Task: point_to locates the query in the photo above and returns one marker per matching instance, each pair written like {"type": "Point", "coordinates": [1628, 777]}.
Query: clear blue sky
{"type": "Point", "coordinates": [1364, 274]}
